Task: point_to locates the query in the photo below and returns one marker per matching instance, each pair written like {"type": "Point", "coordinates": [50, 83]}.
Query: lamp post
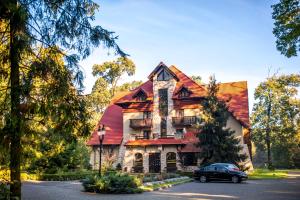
{"type": "Point", "coordinates": [101, 133]}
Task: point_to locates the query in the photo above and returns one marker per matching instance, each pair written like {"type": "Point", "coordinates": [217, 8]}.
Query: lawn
{"type": "Point", "coordinates": [267, 174]}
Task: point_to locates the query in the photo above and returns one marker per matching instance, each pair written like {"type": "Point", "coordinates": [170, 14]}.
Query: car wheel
{"type": "Point", "coordinates": [235, 179]}
{"type": "Point", "coordinates": [203, 179]}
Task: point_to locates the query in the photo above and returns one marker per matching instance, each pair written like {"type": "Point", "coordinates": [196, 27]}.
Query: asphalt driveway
{"type": "Point", "coordinates": [252, 190]}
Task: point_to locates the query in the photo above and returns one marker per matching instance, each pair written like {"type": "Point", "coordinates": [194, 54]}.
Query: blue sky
{"type": "Point", "coordinates": [230, 38]}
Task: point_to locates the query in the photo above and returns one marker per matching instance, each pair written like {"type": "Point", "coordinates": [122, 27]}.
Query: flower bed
{"type": "Point", "coordinates": [158, 185]}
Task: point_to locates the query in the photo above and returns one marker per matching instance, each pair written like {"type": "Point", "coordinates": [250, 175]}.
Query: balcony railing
{"type": "Point", "coordinates": [142, 137]}
{"type": "Point", "coordinates": [184, 121]}
{"type": "Point", "coordinates": [166, 136]}
{"type": "Point", "coordinates": [140, 123]}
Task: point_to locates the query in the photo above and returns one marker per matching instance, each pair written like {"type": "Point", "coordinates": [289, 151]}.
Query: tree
{"type": "Point", "coordinates": [217, 143]}
{"type": "Point", "coordinates": [197, 79]}
{"type": "Point", "coordinates": [287, 26]}
{"type": "Point", "coordinates": [112, 71]}
{"type": "Point", "coordinates": [107, 85]}
{"type": "Point", "coordinates": [276, 119]}
{"type": "Point", "coordinates": [30, 26]}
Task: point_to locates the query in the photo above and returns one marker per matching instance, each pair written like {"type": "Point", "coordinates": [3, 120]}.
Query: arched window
{"type": "Point", "coordinates": [171, 162]}
{"type": "Point", "coordinates": [138, 163]}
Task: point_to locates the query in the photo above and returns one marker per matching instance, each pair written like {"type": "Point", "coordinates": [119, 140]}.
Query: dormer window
{"type": "Point", "coordinates": [184, 93]}
{"type": "Point", "coordinates": [141, 96]}
{"type": "Point", "coordinates": [163, 76]}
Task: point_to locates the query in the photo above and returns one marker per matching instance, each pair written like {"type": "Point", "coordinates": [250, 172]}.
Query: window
{"type": "Point", "coordinates": [138, 163]}
{"type": "Point", "coordinates": [183, 93]}
{"type": "Point", "coordinates": [179, 113]}
{"type": "Point", "coordinates": [171, 162]}
{"type": "Point", "coordinates": [141, 96]}
{"type": "Point", "coordinates": [146, 134]}
{"type": "Point", "coordinates": [189, 159]}
{"type": "Point", "coordinates": [163, 102]}
{"type": "Point", "coordinates": [147, 115]}
{"type": "Point", "coordinates": [163, 76]}
{"type": "Point", "coordinates": [179, 131]}
{"type": "Point", "coordinates": [163, 127]}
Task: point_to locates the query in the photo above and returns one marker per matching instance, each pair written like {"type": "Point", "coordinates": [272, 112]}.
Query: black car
{"type": "Point", "coordinates": [220, 171]}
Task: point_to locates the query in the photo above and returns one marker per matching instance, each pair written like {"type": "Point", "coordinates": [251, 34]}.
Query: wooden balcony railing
{"type": "Point", "coordinates": [184, 121]}
{"type": "Point", "coordinates": [140, 123]}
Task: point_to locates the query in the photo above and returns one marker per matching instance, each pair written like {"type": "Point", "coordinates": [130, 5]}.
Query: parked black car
{"type": "Point", "coordinates": [220, 171]}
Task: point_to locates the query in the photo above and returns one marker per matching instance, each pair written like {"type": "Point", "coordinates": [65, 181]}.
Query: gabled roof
{"type": "Point", "coordinates": [113, 121]}
{"type": "Point", "coordinates": [237, 94]}
{"type": "Point", "coordinates": [139, 91]}
{"type": "Point", "coordinates": [146, 87]}
{"type": "Point", "coordinates": [157, 69]}
{"type": "Point", "coordinates": [185, 81]}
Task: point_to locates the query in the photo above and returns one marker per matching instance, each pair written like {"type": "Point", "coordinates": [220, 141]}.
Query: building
{"type": "Point", "coordinates": [150, 129]}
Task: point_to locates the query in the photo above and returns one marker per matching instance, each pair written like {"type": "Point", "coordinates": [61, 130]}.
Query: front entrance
{"type": "Point", "coordinates": [154, 162]}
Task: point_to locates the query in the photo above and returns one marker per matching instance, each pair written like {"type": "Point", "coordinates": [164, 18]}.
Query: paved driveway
{"type": "Point", "coordinates": [252, 190]}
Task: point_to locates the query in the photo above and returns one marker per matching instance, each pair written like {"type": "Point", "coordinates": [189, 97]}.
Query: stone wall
{"type": "Point", "coordinates": [171, 84]}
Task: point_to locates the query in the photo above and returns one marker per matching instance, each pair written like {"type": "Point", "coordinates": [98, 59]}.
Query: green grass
{"type": "Point", "coordinates": [267, 174]}
{"type": "Point", "coordinates": [164, 185]}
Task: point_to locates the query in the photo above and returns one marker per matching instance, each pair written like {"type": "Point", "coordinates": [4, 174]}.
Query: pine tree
{"type": "Point", "coordinates": [217, 143]}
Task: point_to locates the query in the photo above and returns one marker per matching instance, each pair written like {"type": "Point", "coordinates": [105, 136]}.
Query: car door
{"type": "Point", "coordinates": [212, 172]}
{"type": "Point", "coordinates": [222, 173]}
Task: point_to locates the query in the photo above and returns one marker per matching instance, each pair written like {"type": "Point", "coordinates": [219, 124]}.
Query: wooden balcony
{"type": "Point", "coordinates": [140, 123]}
{"type": "Point", "coordinates": [184, 121]}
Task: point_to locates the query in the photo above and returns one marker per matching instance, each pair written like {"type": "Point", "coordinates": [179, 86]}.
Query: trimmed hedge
{"type": "Point", "coordinates": [68, 176]}
{"type": "Point", "coordinates": [113, 183]}
{"type": "Point", "coordinates": [64, 176]}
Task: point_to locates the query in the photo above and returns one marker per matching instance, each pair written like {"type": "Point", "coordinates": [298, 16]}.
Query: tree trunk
{"type": "Point", "coordinates": [15, 135]}
{"type": "Point", "coordinates": [268, 130]}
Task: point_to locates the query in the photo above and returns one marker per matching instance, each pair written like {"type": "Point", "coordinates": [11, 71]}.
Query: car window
{"type": "Point", "coordinates": [221, 169]}
{"type": "Point", "coordinates": [210, 168]}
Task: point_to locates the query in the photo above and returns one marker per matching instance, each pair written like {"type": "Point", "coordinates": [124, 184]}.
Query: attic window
{"type": "Point", "coordinates": [184, 93]}
{"type": "Point", "coordinates": [141, 96]}
{"type": "Point", "coordinates": [163, 76]}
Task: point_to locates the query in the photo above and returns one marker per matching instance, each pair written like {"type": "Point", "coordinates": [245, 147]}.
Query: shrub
{"type": "Point", "coordinates": [116, 183]}
{"type": "Point", "coordinates": [4, 191]}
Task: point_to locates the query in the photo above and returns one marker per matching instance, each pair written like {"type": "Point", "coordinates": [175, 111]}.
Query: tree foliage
{"type": "Point", "coordinates": [108, 85]}
{"type": "Point", "coordinates": [197, 79]}
{"type": "Point", "coordinates": [286, 14]}
{"type": "Point", "coordinates": [217, 142]}
{"type": "Point", "coordinates": [277, 110]}
{"type": "Point", "coordinates": [35, 35]}
{"type": "Point", "coordinates": [112, 71]}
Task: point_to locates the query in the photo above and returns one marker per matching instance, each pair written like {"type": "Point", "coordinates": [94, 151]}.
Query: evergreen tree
{"type": "Point", "coordinates": [217, 143]}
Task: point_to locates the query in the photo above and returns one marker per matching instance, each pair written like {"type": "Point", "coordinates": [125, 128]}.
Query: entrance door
{"type": "Point", "coordinates": [154, 162]}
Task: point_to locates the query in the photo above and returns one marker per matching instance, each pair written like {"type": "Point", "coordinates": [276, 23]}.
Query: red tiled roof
{"type": "Point", "coordinates": [147, 87]}
{"type": "Point", "coordinates": [237, 94]}
{"type": "Point", "coordinates": [185, 81]}
{"type": "Point", "coordinates": [113, 120]}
